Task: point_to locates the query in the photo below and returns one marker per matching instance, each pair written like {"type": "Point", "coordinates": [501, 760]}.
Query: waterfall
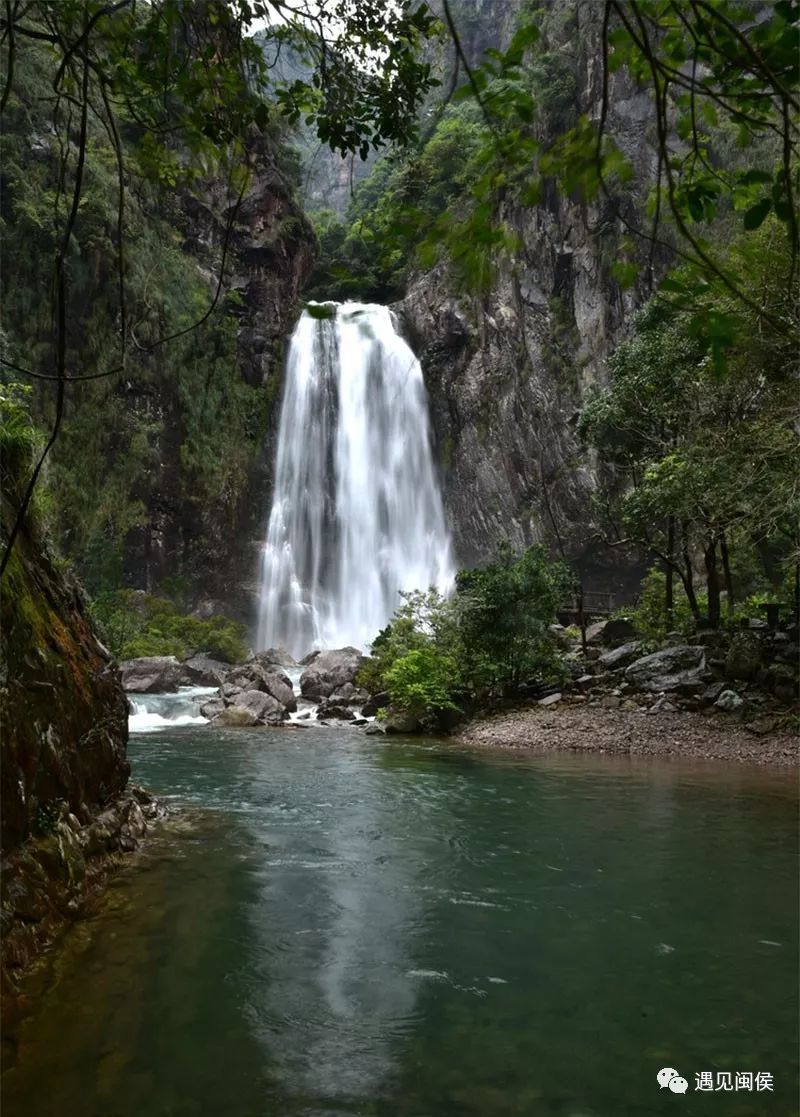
{"type": "Point", "coordinates": [356, 514]}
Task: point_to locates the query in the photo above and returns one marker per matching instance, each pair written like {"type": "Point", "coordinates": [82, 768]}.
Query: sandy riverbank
{"type": "Point", "coordinates": [595, 729]}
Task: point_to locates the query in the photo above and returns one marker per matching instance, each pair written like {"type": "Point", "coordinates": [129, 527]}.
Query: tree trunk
{"type": "Point", "coordinates": [712, 583]}
{"type": "Point", "coordinates": [688, 576]}
{"type": "Point", "coordinates": [669, 591]}
{"type": "Point", "coordinates": [726, 566]}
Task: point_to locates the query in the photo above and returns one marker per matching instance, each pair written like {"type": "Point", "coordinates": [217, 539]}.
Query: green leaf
{"type": "Point", "coordinates": [754, 217]}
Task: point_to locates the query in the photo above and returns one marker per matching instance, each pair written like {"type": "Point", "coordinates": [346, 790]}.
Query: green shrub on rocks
{"type": "Point", "coordinates": [139, 624]}
{"type": "Point", "coordinates": [489, 638]}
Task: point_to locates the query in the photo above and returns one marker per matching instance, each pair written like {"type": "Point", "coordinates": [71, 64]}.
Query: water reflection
{"type": "Point", "coordinates": [340, 927]}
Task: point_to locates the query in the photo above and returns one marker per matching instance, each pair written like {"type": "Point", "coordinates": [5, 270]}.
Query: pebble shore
{"type": "Point", "coordinates": [585, 729]}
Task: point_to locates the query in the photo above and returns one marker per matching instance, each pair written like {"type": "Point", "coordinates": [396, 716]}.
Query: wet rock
{"type": "Point", "coordinates": [396, 721]}
{"type": "Point", "coordinates": [152, 674]}
{"type": "Point", "coordinates": [667, 669]}
{"type": "Point", "coordinates": [236, 717]}
{"type": "Point", "coordinates": [328, 671]}
{"type": "Point", "coordinates": [211, 708]}
{"type": "Point", "coordinates": [266, 709]}
{"type": "Point", "coordinates": [620, 657]}
{"type": "Point", "coordinates": [255, 675]}
{"type": "Point", "coordinates": [375, 702]}
{"type": "Point", "coordinates": [279, 656]}
{"type": "Point", "coordinates": [375, 729]}
{"type": "Point", "coordinates": [350, 695]}
{"type": "Point", "coordinates": [328, 709]}
{"type": "Point", "coordinates": [201, 670]}
{"type": "Point", "coordinates": [729, 701]}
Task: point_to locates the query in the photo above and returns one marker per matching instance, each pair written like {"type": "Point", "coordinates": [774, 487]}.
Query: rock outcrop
{"type": "Point", "coordinates": [327, 672]}
{"type": "Point", "coordinates": [64, 722]}
{"type": "Point", "coordinates": [508, 371]}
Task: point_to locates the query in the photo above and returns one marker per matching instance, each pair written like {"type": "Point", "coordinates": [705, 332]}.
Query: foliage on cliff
{"type": "Point", "coordinates": [704, 463]}
{"type": "Point", "coordinates": [134, 624]}
{"type": "Point", "coordinates": [144, 188]}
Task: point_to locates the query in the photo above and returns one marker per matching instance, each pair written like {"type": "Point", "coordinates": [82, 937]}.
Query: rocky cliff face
{"type": "Point", "coordinates": [64, 719]}
{"type": "Point", "coordinates": [508, 374]}
{"type": "Point", "coordinates": [64, 713]}
{"type": "Point", "coordinates": [271, 254]}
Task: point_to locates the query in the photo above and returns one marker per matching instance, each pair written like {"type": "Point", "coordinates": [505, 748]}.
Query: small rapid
{"type": "Point", "coordinates": [151, 712]}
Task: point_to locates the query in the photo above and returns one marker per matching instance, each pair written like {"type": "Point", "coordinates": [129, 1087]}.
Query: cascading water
{"type": "Point", "coordinates": [356, 515]}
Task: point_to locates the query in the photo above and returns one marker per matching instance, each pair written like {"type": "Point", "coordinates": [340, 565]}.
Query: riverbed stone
{"type": "Point", "coordinates": [255, 675]}
{"type": "Point", "coordinates": [328, 671]}
{"type": "Point", "coordinates": [729, 701]}
{"type": "Point", "coordinates": [238, 717]}
{"type": "Point", "coordinates": [375, 702]}
{"type": "Point", "coordinates": [212, 707]}
{"type": "Point", "coordinates": [267, 709]}
{"type": "Point", "coordinates": [330, 709]}
{"type": "Point", "coordinates": [620, 657]}
{"type": "Point", "coordinates": [201, 670]}
{"type": "Point", "coordinates": [152, 674]}
{"type": "Point", "coordinates": [667, 669]}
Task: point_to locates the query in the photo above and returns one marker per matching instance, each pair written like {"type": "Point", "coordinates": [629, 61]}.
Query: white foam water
{"type": "Point", "coordinates": [151, 712]}
{"type": "Point", "coordinates": [357, 514]}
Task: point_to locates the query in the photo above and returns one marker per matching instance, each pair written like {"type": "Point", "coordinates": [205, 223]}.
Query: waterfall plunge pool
{"type": "Point", "coordinates": [334, 926]}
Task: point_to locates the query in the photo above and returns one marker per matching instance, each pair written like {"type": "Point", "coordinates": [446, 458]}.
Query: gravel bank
{"type": "Point", "coordinates": [595, 729]}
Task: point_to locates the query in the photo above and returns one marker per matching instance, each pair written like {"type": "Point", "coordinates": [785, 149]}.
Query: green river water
{"type": "Point", "coordinates": [334, 925]}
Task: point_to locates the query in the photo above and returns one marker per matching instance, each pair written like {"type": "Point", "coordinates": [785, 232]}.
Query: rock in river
{"type": "Point", "coordinates": [328, 671]}
{"type": "Point", "coordinates": [152, 674]}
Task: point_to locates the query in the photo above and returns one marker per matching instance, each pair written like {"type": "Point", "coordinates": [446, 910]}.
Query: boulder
{"type": "Point", "coordinates": [398, 722]}
{"type": "Point", "coordinates": [374, 703]}
{"type": "Point", "coordinates": [729, 701]}
{"type": "Point", "coordinates": [330, 709]}
{"type": "Point", "coordinates": [744, 656]}
{"type": "Point", "coordinates": [375, 729]}
{"type": "Point", "coordinates": [349, 695]}
{"type": "Point", "coordinates": [620, 657]}
{"type": "Point", "coordinates": [550, 700]}
{"type": "Point", "coordinates": [279, 656]}
{"type": "Point", "coordinates": [236, 716]}
{"type": "Point", "coordinates": [152, 674]}
{"type": "Point", "coordinates": [712, 693]}
{"type": "Point", "coordinates": [329, 671]}
{"type": "Point", "coordinates": [200, 670]}
{"type": "Point", "coordinates": [616, 631]}
{"type": "Point", "coordinates": [211, 708]}
{"type": "Point", "coordinates": [255, 675]}
{"type": "Point", "coordinates": [266, 709]}
{"type": "Point", "coordinates": [667, 669]}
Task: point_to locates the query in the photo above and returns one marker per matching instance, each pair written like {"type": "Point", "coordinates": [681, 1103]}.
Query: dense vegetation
{"type": "Point", "coordinates": [488, 639]}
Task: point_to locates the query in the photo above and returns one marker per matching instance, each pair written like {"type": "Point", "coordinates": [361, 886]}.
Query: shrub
{"type": "Point", "coordinates": [139, 624]}
{"type": "Point", "coordinates": [421, 682]}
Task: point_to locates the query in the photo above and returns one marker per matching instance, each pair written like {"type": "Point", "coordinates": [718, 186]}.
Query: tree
{"type": "Point", "coordinates": [178, 87]}
{"type": "Point", "coordinates": [704, 463]}
{"type": "Point", "coordinates": [504, 611]}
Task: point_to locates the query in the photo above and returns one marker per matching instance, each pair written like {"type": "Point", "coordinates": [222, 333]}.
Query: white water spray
{"type": "Point", "coordinates": [356, 514]}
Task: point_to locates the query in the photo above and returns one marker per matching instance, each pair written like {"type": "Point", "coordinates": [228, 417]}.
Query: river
{"type": "Point", "coordinates": [331, 924]}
